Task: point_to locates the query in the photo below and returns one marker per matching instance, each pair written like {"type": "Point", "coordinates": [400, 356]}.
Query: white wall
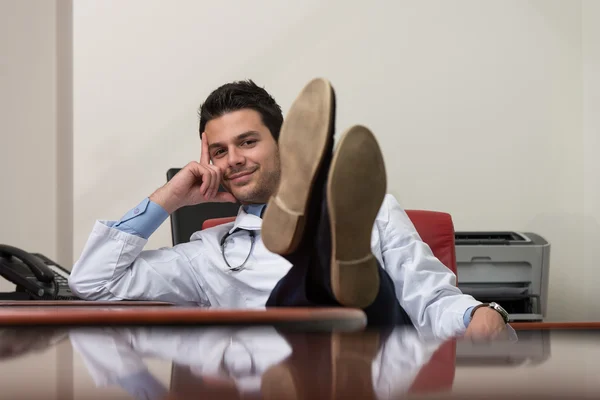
{"type": "Point", "coordinates": [477, 104]}
{"type": "Point", "coordinates": [28, 133]}
{"type": "Point", "coordinates": [36, 136]}
{"type": "Point", "coordinates": [28, 116]}
{"type": "Point", "coordinates": [591, 140]}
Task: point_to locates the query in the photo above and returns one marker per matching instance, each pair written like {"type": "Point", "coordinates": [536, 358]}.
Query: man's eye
{"type": "Point", "coordinates": [218, 152]}
{"type": "Point", "coordinates": [248, 142]}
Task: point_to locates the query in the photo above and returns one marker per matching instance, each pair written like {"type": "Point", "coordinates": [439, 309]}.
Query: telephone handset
{"type": "Point", "coordinates": [35, 274]}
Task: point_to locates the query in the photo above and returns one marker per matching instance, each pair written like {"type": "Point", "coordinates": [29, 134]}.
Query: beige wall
{"type": "Point", "coordinates": [477, 104]}
{"type": "Point", "coordinates": [28, 115]}
{"type": "Point", "coordinates": [28, 135]}
{"type": "Point", "coordinates": [36, 136]}
{"type": "Point", "coordinates": [591, 140]}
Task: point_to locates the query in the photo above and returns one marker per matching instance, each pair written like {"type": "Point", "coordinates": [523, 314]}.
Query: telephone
{"type": "Point", "coordinates": [36, 276]}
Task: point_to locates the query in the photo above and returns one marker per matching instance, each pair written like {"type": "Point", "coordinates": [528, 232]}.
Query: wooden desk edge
{"type": "Point", "coordinates": [554, 325]}
{"type": "Point", "coordinates": [31, 316]}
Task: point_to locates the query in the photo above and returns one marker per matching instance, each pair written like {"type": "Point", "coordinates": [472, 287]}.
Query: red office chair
{"type": "Point", "coordinates": [437, 230]}
{"type": "Point", "coordinates": [209, 223]}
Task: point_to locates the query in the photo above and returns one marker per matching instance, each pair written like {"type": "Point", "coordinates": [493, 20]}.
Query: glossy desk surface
{"type": "Point", "coordinates": [287, 361]}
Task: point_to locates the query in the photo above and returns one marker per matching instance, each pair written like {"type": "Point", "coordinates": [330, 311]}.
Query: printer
{"type": "Point", "coordinates": [510, 268]}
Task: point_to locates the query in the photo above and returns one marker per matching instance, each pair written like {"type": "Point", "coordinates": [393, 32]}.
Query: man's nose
{"type": "Point", "coordinates": [235, 158]}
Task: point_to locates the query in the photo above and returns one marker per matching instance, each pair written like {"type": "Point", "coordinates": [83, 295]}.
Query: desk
{"type": "Point", "coordinates": [232, 362]}
{"type": "Point", "coordinates": [206, 361]}
{"type": "Point", "coordinates": [559, 360]}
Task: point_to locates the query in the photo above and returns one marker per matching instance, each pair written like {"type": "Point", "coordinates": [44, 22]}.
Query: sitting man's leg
{"type": "Point", "coordinates": [322, 216]}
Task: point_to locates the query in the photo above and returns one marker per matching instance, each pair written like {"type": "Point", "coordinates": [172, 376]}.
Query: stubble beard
{"type": "Point", "coordinates": [262, 190]}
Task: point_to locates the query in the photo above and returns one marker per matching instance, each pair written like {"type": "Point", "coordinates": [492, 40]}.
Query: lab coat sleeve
{"type": "Point", "coordinates": [111, 361]}
{"type": "Point", "coordinates": [114, 266]}
{"type": "Point", "coordinates": [425, 287]}
{"type": "Point", "coordinates": [400, 360]}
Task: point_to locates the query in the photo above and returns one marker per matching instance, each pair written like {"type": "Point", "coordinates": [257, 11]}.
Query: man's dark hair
{"type": "Point", "coordinates": [241, 95]}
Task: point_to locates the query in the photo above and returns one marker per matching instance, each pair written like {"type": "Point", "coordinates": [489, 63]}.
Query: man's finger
{"type": "Point", "coordinates": [219, 179]}
{"type": "Point", "coordinates": [197, 169]}
{"type": "Point", "coordinates": [205, 155]}
{"type": "Point", "coordinates": [216, 183]}
{"type": "Point", "coordinates": [205, 181]}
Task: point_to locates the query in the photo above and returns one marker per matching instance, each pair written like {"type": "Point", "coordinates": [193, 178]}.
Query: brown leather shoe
{"type": "Point", "coordinates": [352, 355]}
{"type": "Point", "coordinates": [280, 383]}
{"type": "Point", "coordinates": [342, 370]}
{"type": "Point", "coordinates": [303, 141]}
{"type": "Point", "coordinates": [356, 188]}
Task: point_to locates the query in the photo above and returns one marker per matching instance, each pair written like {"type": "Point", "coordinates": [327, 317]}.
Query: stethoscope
{"type": "Point", "coordinates": [251, 370]}
{"type": "Point", "coordinates": [224, 244]}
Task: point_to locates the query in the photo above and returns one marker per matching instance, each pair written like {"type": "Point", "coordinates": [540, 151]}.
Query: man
{"type": "Point", "coordinates": [330, 235]}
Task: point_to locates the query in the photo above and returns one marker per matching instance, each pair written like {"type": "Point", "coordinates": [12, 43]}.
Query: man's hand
{"type": "Point", "coordinates": [197, 182]}
{"type": "Point", "coordinates": [486, 324]}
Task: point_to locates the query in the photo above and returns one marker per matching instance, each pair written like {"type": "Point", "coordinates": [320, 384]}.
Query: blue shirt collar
{"type": "Point", "coordinates": [254, 209]}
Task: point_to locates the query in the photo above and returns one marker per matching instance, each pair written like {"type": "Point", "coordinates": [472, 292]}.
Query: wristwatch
{"type": "Point", "coordinates": [496, 307]}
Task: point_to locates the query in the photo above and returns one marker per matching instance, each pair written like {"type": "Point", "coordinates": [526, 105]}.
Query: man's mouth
{"type": "Point", "coordinates": [239, 175]}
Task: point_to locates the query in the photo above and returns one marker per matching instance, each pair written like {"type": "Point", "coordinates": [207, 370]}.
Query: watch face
{"type": "Point", "coordinates": [501, 310]}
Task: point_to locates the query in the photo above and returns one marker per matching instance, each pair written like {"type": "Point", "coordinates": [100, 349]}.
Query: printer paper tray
{"type": "Point", "coordinates": [500, 292]}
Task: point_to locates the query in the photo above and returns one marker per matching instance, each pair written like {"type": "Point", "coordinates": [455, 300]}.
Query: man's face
{"type": "Point", "coordinates": [248, 156]}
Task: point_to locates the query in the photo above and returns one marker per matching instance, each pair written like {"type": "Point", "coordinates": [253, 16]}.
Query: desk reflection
{"type": "Point", "coordinates": [15, 343]}
{"type": "Point", "coordinates": [262, 362]}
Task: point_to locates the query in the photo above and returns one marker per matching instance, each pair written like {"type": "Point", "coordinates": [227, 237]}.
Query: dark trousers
{"type": "Point", "coordinates": [308, 282]}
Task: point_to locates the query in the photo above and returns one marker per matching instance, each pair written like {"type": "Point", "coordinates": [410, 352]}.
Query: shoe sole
{"type": "Point", "coordinates": [352, 356]}
{"type": "Point", "coordinates": [278, 383]}
{"type": "Point", "coordinates": [302, 143]}
{"type": "Point", "coordinates": [356, 188]}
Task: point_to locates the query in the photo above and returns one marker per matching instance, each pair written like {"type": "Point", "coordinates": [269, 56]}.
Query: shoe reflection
{"type": "Point", "coordinates": [262, 362]}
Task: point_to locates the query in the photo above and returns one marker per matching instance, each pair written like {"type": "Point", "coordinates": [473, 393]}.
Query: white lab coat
{"type": "Point", "coordinates": [115, 266]}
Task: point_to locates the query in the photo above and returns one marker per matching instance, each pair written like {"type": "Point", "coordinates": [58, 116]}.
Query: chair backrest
{"type": "Point", "coordinates": [187, 220]}
{"type": "Point", "coordinates": [209, 223]}
{"type": "Point", "coordinates": [435, 228]}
